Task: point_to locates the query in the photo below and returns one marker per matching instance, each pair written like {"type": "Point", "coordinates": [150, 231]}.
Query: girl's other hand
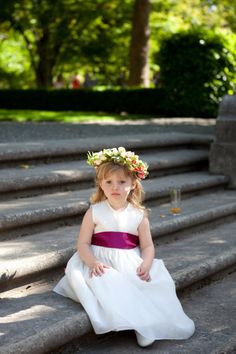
{"type": "Point", "coordinates": [97, 269]}
{"type": "Point", "coordinates": [143, 272]}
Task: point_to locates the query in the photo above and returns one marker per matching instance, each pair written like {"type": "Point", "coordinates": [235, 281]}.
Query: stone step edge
{"type": "Point", "coordinates": [58, 148]}
{"type": "Point", "coordinates": [229, 349]}
{"type": "Point", "coordinates": [59, 258]}
{"type": "Point", "coordinates": [31, 182]}
{"type": "Point", "coordinates": [21, 219]}
{"type": "Point", "coordinates": [67, 329]}
{"type": "Point", "coordinates": [27, 218]}
{"type": "Point", "coordinates": [207, 269]}
{"type": "Point", "coordinates": [187, 221]}
{"type": "Point", "coordinates": [41, 263]}
{"type": "Point", "coordinates": [44, 341]}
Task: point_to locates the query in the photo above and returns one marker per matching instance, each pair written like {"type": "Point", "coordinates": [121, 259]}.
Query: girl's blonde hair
{"type": "Point", "coordinates": [136, 195]}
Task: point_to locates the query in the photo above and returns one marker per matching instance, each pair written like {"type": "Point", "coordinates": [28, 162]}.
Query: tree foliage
{"type": "Point", "coordinates": [14, 61]}
{"type": "Point", "coordinates": [76, 36]}
{"type": "Point", "coordinates": [42, 28]}
{"type": "Point", "coordinates": [67, 32]}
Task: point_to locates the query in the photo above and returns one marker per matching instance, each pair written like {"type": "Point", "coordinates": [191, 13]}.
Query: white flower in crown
{"type": "Point", "coordinates": [119, 156]}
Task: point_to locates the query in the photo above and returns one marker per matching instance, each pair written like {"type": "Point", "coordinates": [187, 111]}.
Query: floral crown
{"type": "Point", "coordinates": [121, 157]}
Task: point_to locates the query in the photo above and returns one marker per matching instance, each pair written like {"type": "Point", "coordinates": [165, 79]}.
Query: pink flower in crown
{"type": "Point", "coordinates": [141, 175]}
{"type": "Point", "coordinates": [138, 169]}
{"type": "Point", "coordinates": [141, 171]}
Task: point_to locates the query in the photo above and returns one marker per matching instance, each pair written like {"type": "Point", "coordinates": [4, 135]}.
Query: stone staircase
{"type": "Point", "coordinates": [45, 188]}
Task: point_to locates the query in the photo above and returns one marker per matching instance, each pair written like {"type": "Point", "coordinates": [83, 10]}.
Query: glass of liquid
{"type": "Point", "coordinates": [175, 201]}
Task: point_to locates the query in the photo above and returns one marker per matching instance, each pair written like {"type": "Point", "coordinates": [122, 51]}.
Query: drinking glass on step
{"type": "Point", "coordinates": [175, 201]}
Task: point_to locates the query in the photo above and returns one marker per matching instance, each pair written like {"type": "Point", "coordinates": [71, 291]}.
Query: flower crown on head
{"type": "Point", "coordinates": [121, 157]}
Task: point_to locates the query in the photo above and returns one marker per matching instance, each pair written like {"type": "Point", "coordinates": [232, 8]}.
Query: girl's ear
{"type": "Point", "coordinates": [134, 185]}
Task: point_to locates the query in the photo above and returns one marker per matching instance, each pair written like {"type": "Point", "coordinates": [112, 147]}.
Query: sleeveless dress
{"type": "Point", "coordinates": [119, 299]}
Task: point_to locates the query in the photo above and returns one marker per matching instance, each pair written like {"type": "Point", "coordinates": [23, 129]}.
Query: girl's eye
{"type": "Point", "coordinates": [108, 182]}
{"type": "Point", "coordinates": [122, 182]}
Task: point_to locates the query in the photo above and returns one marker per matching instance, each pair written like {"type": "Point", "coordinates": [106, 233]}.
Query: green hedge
{"type": "Point", "coordinates": [136, 101]}
{"type": "Point", "coordinates": [197, 68]}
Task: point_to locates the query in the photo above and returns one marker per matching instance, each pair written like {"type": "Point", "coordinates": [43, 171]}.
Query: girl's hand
{"type": "Point", "coordinates": [143, 272]}
{"type": "Point", "coordinates": [97, 269]}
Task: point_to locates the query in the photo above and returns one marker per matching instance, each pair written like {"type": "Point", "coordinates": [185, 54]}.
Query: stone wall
{"type": "Point", "coordinates": [223, 149]}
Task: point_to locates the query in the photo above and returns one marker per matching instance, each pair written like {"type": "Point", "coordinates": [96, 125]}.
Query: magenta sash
{"type": "Point", "coordinates": [113, 239]}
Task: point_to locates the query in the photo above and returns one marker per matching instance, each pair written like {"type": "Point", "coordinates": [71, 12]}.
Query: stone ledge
{"type": "Point", "coordinates": [58, 174]}
{"type": "Point", "coordinates": [191, 276]}
{"type": "Point", "coordinates": [27, 211]}
{"type": "Point", "coordinates": [30, 131]}
{"type": "Point", "coordinates": [59, 148]}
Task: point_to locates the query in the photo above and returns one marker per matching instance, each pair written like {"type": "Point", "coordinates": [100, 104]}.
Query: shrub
{"type": "Point", "coordinates": [197, 68]}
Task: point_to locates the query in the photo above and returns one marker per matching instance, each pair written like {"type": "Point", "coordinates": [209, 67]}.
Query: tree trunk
{"type": "Point", "coordinates": [139, 47]}
{"type": "Point", "coordinates": [44, 74]}
{"type": "Point", "coordinates": [46, 62]}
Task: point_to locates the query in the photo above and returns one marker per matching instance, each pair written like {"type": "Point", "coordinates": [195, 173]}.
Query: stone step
{"type": "Point", "coordinates": [34, 319]}
{"type": "Point", "coordinates": [215, 329]}
{"type": "Point", "coordinates": [46, 176]}
{"type": "Point", "coordinates": [28, 257]}
{"type": "Point", "coordinates": [18, 215]}
{"type": "Point", "coordinates": [77, 148]}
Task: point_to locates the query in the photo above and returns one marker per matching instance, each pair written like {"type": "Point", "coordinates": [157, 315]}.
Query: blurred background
{"type": "Point", "coordinates": [182, 47]}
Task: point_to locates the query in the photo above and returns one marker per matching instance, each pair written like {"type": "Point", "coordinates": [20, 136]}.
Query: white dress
{"type": "Point", "coordinates": [119, 299]}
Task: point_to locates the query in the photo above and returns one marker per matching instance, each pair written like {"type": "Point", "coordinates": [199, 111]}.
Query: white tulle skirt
{"type": "Point", "coordinates": [120, 300]}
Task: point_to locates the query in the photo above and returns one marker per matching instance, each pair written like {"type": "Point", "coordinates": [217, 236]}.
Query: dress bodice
{"type": "Point", "coordinates": [106, 218]}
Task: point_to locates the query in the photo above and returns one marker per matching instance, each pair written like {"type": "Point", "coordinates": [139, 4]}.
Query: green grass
{"type": "Point", "coordinates": [62, 117]}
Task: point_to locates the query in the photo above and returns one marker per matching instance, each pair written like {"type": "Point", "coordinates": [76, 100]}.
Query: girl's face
{"type": "Point", "coordinates": [117, 186]}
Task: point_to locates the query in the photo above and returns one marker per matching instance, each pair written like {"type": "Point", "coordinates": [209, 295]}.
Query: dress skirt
{"type": "Point", "coordinates": [120, 300]}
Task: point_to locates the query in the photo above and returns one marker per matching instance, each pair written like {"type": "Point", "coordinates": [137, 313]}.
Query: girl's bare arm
{"type": "Point", "coordinates": [84, 246]}
{"type": "Point", "coordinates": [147, 249]}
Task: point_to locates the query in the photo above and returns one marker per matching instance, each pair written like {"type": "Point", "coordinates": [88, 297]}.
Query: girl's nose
{"type": "Point", "coordinates": [114, 186]}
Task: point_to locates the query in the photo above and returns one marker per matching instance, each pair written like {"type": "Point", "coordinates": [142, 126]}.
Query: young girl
{"type": "Point", "coordinates": [114, 274]}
